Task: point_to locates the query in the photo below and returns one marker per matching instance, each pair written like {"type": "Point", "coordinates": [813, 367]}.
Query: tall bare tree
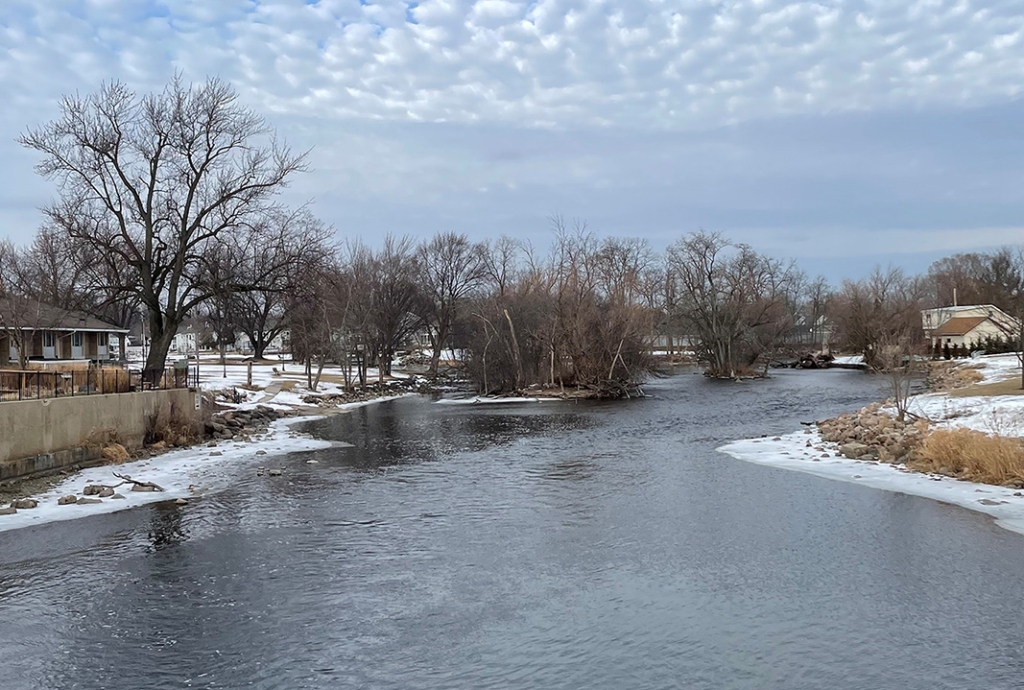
{"type": "Point", "coordinates": [151, 181]}
{"type": "Point", "coordinates": [450, 269]}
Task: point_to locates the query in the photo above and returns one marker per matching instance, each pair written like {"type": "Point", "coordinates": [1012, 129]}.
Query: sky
{"type": "Point", "coordinates": [841, 133]}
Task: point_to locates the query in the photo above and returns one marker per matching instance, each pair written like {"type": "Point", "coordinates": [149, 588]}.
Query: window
{"type": "Point", "coordinates": [103, 339]}
{"type": "Point", "coordinates": [76, 339]}
{"type": "Point", "coordinates": [49, 339]}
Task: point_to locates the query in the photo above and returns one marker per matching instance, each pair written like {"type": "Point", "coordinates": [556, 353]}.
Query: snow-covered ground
{"type": "Point", "coordinates": [1002, 415]}
{"type": "Point", "coordinates": [280, 385]}
{"type": "Point", "coordinates": [489, 400]}
{"type": "Point", "coordinates": [185, 473]}
{"type": "Point", "coordinates": [849, 359]}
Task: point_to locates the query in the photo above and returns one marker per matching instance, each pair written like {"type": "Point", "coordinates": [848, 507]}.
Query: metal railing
{"type": "Point", "coordinates": [32, 384]}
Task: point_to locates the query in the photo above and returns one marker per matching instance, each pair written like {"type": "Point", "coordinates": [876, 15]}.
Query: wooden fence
{"type": "Point", "coordinates": [33, 384]}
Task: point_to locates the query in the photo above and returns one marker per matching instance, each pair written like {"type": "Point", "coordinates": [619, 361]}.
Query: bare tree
{"type": "Point", "coordinates": [450, 269]}
{"type": "Point", "coordinates": [397, 301]}
{"type": "Point", "coordinates": [150, 182]}
{"type": "Point", "coordinates": [882, 308]}
{"type": "Point", "coordinates": [732, 300]}
{"type": "Point", "coordinates": [283, 250]}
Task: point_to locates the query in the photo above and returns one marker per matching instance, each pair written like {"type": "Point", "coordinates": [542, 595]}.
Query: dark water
{"type": "Point", "coordinates": [532, 546]}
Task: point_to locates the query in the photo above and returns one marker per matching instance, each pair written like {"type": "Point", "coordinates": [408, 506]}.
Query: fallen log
{"type": "Point", "coordinates": [149, 486]}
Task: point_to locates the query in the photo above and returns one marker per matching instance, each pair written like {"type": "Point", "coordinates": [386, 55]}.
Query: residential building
{"type": "Point", "coordinates": [47, 332]}
{"type": "Point", "coordinates": [967, 325]}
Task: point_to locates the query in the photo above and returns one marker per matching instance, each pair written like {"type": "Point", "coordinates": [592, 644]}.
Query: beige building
{"type": "Point", "coordinates": [967, 325]}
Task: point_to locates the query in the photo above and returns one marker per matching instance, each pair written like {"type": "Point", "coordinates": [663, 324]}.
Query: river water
{"type": "Point", "coordinates": [542, 545]}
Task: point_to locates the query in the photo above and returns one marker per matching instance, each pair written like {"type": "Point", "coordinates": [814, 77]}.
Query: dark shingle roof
{"type": "Point", "coordinates": [30, 314]}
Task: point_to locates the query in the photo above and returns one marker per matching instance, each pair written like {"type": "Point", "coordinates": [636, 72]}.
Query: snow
{"type": "Point", "coordinates": [996, 367]}
{"type": "Point", "coordinates": [488, 400]}
{"type": "Point", "coordinates": [849, 359]}
{"type": "Point", "coordinates": [1003, 415]}
{"type": "Point", "coordinates": [790, 452]}
{"type": "Point", "coordinates": [184, 473]}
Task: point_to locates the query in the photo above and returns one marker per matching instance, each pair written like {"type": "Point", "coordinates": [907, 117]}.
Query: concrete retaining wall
{"type": "Point", "coordinates": [42, 435]}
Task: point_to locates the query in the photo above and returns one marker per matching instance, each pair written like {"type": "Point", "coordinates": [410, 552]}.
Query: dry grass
{"type": "Point", "coordinates": [172, 427]}
{"type": "Point", "coordinates": [950, 376]}
{"type": "Point", "coordinates": [972, 455]}
{"type": "Point", "coordinates": [1008, 387]}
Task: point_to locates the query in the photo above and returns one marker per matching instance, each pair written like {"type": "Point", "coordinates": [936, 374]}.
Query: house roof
{"type": "Point", "coordinates": [960, 325]}
{"type": "Point", "coordinates": [33, 315]}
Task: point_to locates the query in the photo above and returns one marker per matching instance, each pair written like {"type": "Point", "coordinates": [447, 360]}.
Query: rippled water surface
{"type": "Point", "coordinates": [528, 546]}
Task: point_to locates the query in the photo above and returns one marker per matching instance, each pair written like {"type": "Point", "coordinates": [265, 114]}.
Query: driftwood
{"type": "Point", "coordinates": [150, 485]}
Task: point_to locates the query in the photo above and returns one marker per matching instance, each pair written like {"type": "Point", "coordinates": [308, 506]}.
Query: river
{"type": "Point", "coordinates": [540, 545]}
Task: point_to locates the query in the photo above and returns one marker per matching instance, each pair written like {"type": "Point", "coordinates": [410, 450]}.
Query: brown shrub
{"type": "Point", "coordinates": [115, 454]}
{"type": "Point", "coordinates": [972, 455]}
{"type": "Point", "coordinates": [948, 376]}
{"type": "Point", "coordinates": [172, 427]}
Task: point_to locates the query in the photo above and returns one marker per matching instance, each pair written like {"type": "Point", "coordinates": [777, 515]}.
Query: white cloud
{"type": "Point", "coordinates": [548, 63]}
{"type": "Point", "coordinates": [487, 115]}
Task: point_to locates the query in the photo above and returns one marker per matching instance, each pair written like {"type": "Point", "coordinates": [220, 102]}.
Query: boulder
{"type": "Point", "coordinates": [117, 496]}
{"type": "Point", "coordinates": [275, 473]}
{"type": "Point", "coordinates": [141, 487]}
{"type": "Point", "coordinates": [106, 492]}
{"type": "Point", "coordinates": [10, 510]}
{"type": "Point", "coordinates": [84, 501]}
{"type": "Point", "coordinates": [24, 503]}
{"type": "Point", "coordinates": [853, 450]}
{"type": "Point", "coordinates": [181, 502]}
{"type": "Point", "coordinates": [92, 489]}
{"type": "Point", "coordinates": [70, 499]}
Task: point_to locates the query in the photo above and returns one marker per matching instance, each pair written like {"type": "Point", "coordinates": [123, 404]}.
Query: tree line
{"type": "Point", "coordinates": [168, 206]}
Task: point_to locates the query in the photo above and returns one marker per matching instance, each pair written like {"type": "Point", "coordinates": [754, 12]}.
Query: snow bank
{"type": "Point", "coordinates": [491, 400]}
{"type": "Point", "coordinates": [184, 473]}
{"type": "Point", "coordinates": [1002, 415]}
{"type": "Point", "coordinates": [791, 452]}
{"type": "Point", "coordinates": [849, 359]}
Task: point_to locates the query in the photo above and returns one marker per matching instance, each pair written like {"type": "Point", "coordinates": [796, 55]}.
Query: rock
{"type": "Point", "coordinates": [181, 502]}
{"type": "Point", "coordinates": [106, 492]}
{"type": "Point", "coordinates": [275, 473]}
{"type": "Point", "coordinates": [856, 476]}
{"type": "Point", "coordinates": [312, 462]}
{"type": "Point", "coordinates": [777, 438]}
{"type": "Point", "coordinates": [216, 454]}
{"type": "Point", "coordinates": [211, 444]}
{"type": "Point", "coordinates": [117, 496]}
{"type": "Point", "coordinates": [83, 501]}
{"type": "Point", "coordinates": [853, 450]}
{"type": "Point", "coordinates": [67, 500]}
{"type": "Point", "coordinates": [116, 454]}
{"type": "Point", "coordinates": [159, 445]}
{"type": "Point", "coordinates": [261, 452]}
{"type": "Point", "coordinates": [92, 489]}
{"type": "Point", "coordinates": [8, 511]}
{"type": "Point", "coordinates": [24, 503]}
{"type": "Point", "coordinates": [140, 487]}
{"type": "Point", "coordinates": [990, 502]}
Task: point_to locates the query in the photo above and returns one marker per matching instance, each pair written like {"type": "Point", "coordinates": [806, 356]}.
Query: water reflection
{"type": "Point", "coordinates": [599, 546]}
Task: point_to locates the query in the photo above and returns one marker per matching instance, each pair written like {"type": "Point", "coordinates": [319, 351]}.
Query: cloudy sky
{"type": "Point", "coordinates": [842, 132]}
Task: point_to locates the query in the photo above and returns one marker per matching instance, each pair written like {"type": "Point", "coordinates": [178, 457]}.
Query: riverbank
{"type": "Point", "coordinates": [182, 474]}
{"type": "Point", "coordinates": [870, 447]}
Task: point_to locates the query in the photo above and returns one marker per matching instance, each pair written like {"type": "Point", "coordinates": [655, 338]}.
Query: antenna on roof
{"type": "Point", "coordinates": [954, 297]}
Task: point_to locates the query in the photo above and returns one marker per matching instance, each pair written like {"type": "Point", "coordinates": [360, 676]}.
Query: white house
{"type": "Point", "coordinates": [967, 325]}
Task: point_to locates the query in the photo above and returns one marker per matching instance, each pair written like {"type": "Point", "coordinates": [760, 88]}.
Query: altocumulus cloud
{"type": "Point", "coordinates": [648, 117]}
